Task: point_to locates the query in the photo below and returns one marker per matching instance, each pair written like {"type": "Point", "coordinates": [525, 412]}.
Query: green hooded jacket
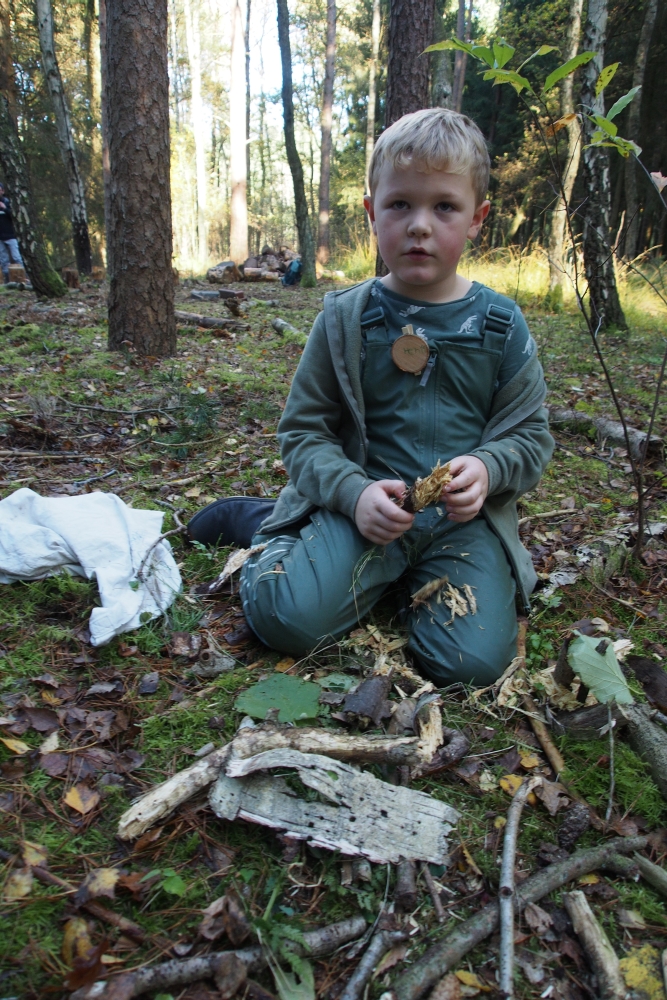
{"type": "Point", "coordinates": [323, 440]}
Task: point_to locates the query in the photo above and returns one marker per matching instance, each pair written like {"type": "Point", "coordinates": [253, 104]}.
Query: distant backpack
{"type": "Point", "coordinates": [292, 275]}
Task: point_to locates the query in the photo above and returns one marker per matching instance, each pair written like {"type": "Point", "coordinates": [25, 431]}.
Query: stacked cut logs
{"type": "Point", "coordinates": [270, 265]}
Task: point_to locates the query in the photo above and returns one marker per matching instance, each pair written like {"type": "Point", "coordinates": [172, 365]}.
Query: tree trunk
{"type": "Point", "coordinates": [632, 246]}
{"type": "Point", "coordinates": [410, 31]}
{"type": "Point", "coordinates": [605, 305]}
{"type": "Point", "coordinates": [306, 243]}
{"type": "Point", "coordinates": [77, 195]}
{"type": "Point", "coordinates": [193, 43]}
{"type": "Point", "coordinates": [372, 87]}
{"type": "Point", "coordinates": [104, 115]}
{"type": "Point", "coordinates": [557, 236]}
{"type": "Point", "coordinates": [247, 107]}
{"type": "Point", "coordinates": [460, 58]}
{"type": "Point", "coordinates": [44, 279]}
{"type": "Point", "coordinates": [325, 153]}
{"type": "Point", "coordinates": [442, 78]}
{"type": "Point", "coordinates": [238, 232]}
{"type": "Point", "coordinates": [141, 294]}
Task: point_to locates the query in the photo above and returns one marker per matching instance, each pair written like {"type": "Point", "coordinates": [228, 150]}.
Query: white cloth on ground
{"type": "Point", "coordinates": [95, 535]}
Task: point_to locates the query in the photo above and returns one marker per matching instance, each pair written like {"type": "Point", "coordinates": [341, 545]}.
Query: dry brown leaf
{"type": "Point", "coordinates": [284, 665]}
{"type": "Point", "coordinates": [537, 919]}
{"type": "Point", "coordinates": [448, 988]}
{"type": "Point", "coordinates": [100, 882]}
{"type": "Point", "coordinates": [560, 124]}
{"type": "Point", "coordinates": [33, 854]}
{"type": "Point", "coordinates": [81, 798]}
{"type": "Point", "coordinates": [19, 884]}
{"type": "Point", "coordinates": [553, 795]}
{"type": "Point", "coordinates": [392, 958]}
{"type": "Point", "coordinates": [16, 746]}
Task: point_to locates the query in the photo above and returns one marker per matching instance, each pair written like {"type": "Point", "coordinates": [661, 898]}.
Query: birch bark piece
{"type": "Point", "coordinates": [597, 946]}
{"type": "Point", "coordinates": [366, 817]}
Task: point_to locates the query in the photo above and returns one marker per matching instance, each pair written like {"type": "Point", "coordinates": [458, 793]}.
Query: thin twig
{"type": "Point", "coordinates": [180, 529]}
{"type": "Point", "coordinates": [435, 895]}
{"type": "Point", "coordinates": [548, 513]}
{"type": "Point", "coordinates": [379, 946]}
{"type": "Point", "coordinates": [506, 890]}
{"type": "Point", "coordinates": [612, 775]}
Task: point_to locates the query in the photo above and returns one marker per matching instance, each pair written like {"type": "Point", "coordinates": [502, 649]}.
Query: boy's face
{"type": "Point", "coordinates": [422, 221]}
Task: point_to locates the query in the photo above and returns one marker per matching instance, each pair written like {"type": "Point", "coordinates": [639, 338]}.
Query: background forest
{"type": "Point", "coordinates": [200, 76]}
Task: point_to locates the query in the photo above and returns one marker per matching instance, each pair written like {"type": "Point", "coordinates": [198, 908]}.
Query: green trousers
{"type": "Point", "coordinates": [310, 586]}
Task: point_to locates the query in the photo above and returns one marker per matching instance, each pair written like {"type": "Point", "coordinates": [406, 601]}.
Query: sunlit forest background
{"type": "Point", "coordinates": [199, 64]}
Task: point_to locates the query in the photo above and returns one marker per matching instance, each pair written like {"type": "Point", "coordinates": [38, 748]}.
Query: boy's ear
{"type": "Point", "coordinates": [368, 205]}
{"type": "Point", "coordinates": [478, 218]}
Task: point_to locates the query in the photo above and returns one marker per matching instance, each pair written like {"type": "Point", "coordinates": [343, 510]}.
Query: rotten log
{"type": "Point", "coordinates": [601, 956]}
{"type": "Point", "coordinates": [164, 798]}
{"type": "Point", "coordinates": [209, 322]}
{"type": "Point", "coordinates": [607, 430]}
{"type": "Point", "coordinates": [180, 972]}
{"type": "Point", "coordinates": [445, 954]}
{"type": "Point", "coordinates": [648, 741]}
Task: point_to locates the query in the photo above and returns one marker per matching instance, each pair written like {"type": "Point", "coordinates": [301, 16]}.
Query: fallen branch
{"type": "Point", "coordinates": [601, 956]}
{"type": "Point", "coordinates": [448, 952]}
{"type": "Point", "coordinates": [609, 430]}
{"type": "Point", "coordinates": [435, 895]}
{"type": "Point", "coordinates": [180, 972]}
{"type": "Point", "coordinates": [653, 874]}
{"type": "Point", "coordinates": [506, 888]}
{"type": "Point", "coordinates": [208, 322]}
{"type": "Point", "coordinates": [548, 513]}
{"type": "Point", "coordinates": [649, 741]}
{"type": "Point", "coordinates": [538, 725]}
{"type": "Point", "coordinates": [180, 529]}
{"type": "Point", "coordinates": [164, 798]}
{"type": "Point", "coordinates": [379, 946]}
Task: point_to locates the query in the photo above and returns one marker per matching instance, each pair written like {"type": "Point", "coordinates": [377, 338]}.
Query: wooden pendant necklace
{"type": "Point", "coordinates": [410, 352]}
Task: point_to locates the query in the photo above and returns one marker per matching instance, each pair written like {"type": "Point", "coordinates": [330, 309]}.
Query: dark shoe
{"type": "Point", "coordinates": [230, 520]}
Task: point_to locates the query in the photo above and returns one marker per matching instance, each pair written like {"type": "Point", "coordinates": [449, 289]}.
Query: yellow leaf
{"type": "Point", "coordinates": [591, 879]}
{"type": "Point", "coordinates": [561, 123]}
{"type": "Point", "coordinates": [284, 665]}
{"type": "Point", "coordinates": [33, 854]}
{"type": "Point", "coordinates": [51, 699]}
{"type": "Point", "coordinates": [529, 760]}
{"type": "Point", "coordinates": [16, 746]}
{"type": "Point", "coordinates": [50, 744]}
{"type": "Point", "coordinates": [81, 798]}
{"type": "Point", "coordinates": [511, 783]}
{"type": "Point", "coordinates": [76, 940]}
{"type": "Point", "coordinates": [499, 822]}
{"type": "Point", "coordinates": [100, 882]}
{"type": "Point", "coordinates": [18, 884]}
{"type": "Point", "coordinates": [471, 979]}
{"type": "Point", "coordinates": [470, 860]}
{"type": "Point", "coordinates": [193, 493]}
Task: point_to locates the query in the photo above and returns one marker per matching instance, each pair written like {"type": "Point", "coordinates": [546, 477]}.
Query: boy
{"type": "Point", "coordinates": [368, 414]}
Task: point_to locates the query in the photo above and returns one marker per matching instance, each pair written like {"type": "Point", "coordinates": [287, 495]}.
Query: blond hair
{"type": "Point", "coordinates": [434, 139]}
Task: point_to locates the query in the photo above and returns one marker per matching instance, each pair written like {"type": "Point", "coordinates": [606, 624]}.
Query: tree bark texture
{"type": "Point", "coordinates": [632, 213]}
{"type": "Point", "coordinates": [460, 58]}
{"type": "Point", "coordinates": [605, 304]}
{"type": "Point", "coordinates": [306, 243]}
{"type": "Point", "coordinates": [372, 88]}
{"type": "Point", "coordinates": [77, 194]}
{"type": "Point", "coordinates": [247, 101]}
{"type": "Point", "coordinates": [44, 279]}
{"type": "Point", "coordinates": [104, 116]}
{"type": "Point", "coordinates": [410, 32]}
{"type": "Point", "coordinates": [238, 232]}
{"type": "Point", "coordinates": [325, 148]}
{"type": "Point", "coordinates": [141, 293]}
{"type": "Point", "coordinates": [193, 43]}
{"type": "Point", "coordinates": [570, 169]}
{"type": "Point", "coordinates": [442, 73]}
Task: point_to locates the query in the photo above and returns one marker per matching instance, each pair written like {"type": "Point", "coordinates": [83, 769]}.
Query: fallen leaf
{"type": "Point", "coordinates": [537, 919]}
{"type": "Point", "coordinates": [631, 919]}
{"type": "Point", "coordinates": [50, 744]}
{"type": "Point", "coordinates": [55, 764]}
{"type": "Point", "coordinates": [553, 795]}
{"type": "Point", "coordinates": [16, 746]}
{"type": "Point", "coordinates": [225, 916]}
{"type": "Point", "coordinates": [471, 979]}
{"type": "Point", "coordinates": [625, 827]}
{"type": "Point", "coordinates": [100, 882]}
{"type": "Point", "coordinates": [133, 884]}
{"type": "Point", "coordinates": [511, 783]}
{"type": "Point", "coordinates": [81, 798]}
{"type": "Point", "coordinates": [185, 644]}
{"type": "Point", "coordinates": [284, 665]}
{"type": "Point", "coordinates": [229, 975]}
{"type": "Point", "coordinates": [124, 650]}
{"type": "Point", "coordinates": [101, 687]}
{"type": "Point", "coordinates": [193, 493]}
{"type": "Point", "coordinates": [470, 861]}
{"type": "Point", "coordinates": [449, 988]}
{"type": "Point", "coordinates": [591, 879]}
{"type": "Point", "coordinates": [76, 940]}
{"type": "Point", "coordinates": [87, 969]}
{"type": "Point", "coordinates": [19, 884]}
{"type": "Point", "coordinates": [392, 958]}
{"type": "Point", "coordinates": [147, 839]}
{"type": "Point", "coordinates": [529, 760]}
{"type": "Point", "coordinates": [149, 683]}
{"type": "Point", "coordinates": [33, 854]}
{"type": "Point", "coordinates": [488, 781]}
{"type": "Point", "coordinates": [51, 699]}
{"type": "Point", "coordinates": [44, 720]}
{"type": "Point", "coordinates": [499, 822]}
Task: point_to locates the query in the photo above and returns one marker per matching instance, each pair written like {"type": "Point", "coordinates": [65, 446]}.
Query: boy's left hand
{"type": "Point", "coordinates": [466, 493]}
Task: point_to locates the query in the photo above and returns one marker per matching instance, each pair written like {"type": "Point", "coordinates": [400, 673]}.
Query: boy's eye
{"type": "Point", "coordinates": [399, 204]}
{"type": "Point", "coordinates": [445, 206]}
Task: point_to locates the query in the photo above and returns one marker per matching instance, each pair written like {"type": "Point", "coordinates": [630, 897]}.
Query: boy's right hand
{"type": "Point", "coordinates": [377, 518]}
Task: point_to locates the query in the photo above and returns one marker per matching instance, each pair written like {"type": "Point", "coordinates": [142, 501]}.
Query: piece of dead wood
{"type": "Point", "coordinates": [97, 910]}
{"type": "Point", "coordinates": [208, 322]}
{"type": "Point", "coordinates": [167, 796]}
{"type": "Point", "coordinates": [427, 722]}
{"type": "Point", "coordinates": [649, 741]}
{"type": "Point", "coordinates": [506, 888]}
{"type": "Point", "coordinates": [363, 815]}
{"type": "Point", "coordinates": [445, 954]}
{"type": "Point", "coordinates": [606, 429]}
{"type": "Point", "coordinates": [380, 944]}
{"type": "Point", "coordinates": [538, 725]}
{"type": "Point", "coordinates": [598, 948]}
{"type": "Point", "coordinates": [586, 723]}
{"type": "Point", "coordinates": [235, 560]}
{"type": "Point", "coordinates": [405, 890]}
{"type": "Point", "coordinates": [653, 874]}
{"type": "Point", "coordinates": [435, 895]}
{"type": "Point", "coordinates": [180, 972]}
{"type": "Point", "coordinates": [653, 679]}
{"type": "Point", "coordinates": [455, 746]}
{"type": "Point", "coordinates": [369, 700]}
{"type": "Point", "coordinates": [426, 491]}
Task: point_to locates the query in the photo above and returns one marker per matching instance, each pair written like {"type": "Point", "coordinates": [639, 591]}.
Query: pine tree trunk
{"type": "Point", "coordinates": [193, 43]}
{"type": "Point", "coordinates": [557, 236]}
{"type": "Point", "coordinates": [372, 87]}
{"type": "Point", "coordinates": [247, 109]}
{"type": "Point", "coordinates": [460, 59]}
{"type": "Point", "coordinates": [325, 149]}
{"type": "Point", "coordinates": [306, 242]}
{"type": "Point", "coordinates": [442, 77]}
{"type": "Point", "coordinates": [43, 278]}
{"type": "Point", "coordinates": [605, 305]}
{"type": "Point", "coordinates": [410, 31]}
{"type": "Point", "coordinates": [104, 115]}
{"type": "Point", "coordinates": [141, 294]}
{"type": "Point", "coordinates": [632, 214]}
{"type": "Point", "coordinates": [77, 196]}
{"type": "Point", "coordinates": [238, 232]}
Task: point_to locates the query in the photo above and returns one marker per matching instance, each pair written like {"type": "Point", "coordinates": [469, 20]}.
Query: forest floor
{"type": "Point", "coordinates": [172, 435]}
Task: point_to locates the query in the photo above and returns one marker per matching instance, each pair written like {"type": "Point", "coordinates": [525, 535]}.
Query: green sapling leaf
{"type": "Point", "coordinates": [451, 43]}
{"type": "Point", "coordinates": [542, 51]}
{"type": "Point", "coordinates": [605, 77]}
{"type": "Point", "coordinates": [483, 53]}
{"type": "Point", "coordinates": [569, 67]}
{"type": "Point", "coordinates": [595, 662]}
{"type": "Point", "coordinates": [502, 53]}
{"type": "Point", "coordinates": [622, 103]}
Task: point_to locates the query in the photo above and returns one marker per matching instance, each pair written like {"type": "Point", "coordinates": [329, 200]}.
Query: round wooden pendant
{"type": "Point", "coordinates": [410, 353]}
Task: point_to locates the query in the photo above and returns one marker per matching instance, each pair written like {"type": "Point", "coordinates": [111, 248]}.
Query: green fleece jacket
{"type": "Point", "coordinates": [323, 442]}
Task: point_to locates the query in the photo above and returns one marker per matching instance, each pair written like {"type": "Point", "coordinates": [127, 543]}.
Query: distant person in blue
{"type": "Point", "coordinates": [9, 247]}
